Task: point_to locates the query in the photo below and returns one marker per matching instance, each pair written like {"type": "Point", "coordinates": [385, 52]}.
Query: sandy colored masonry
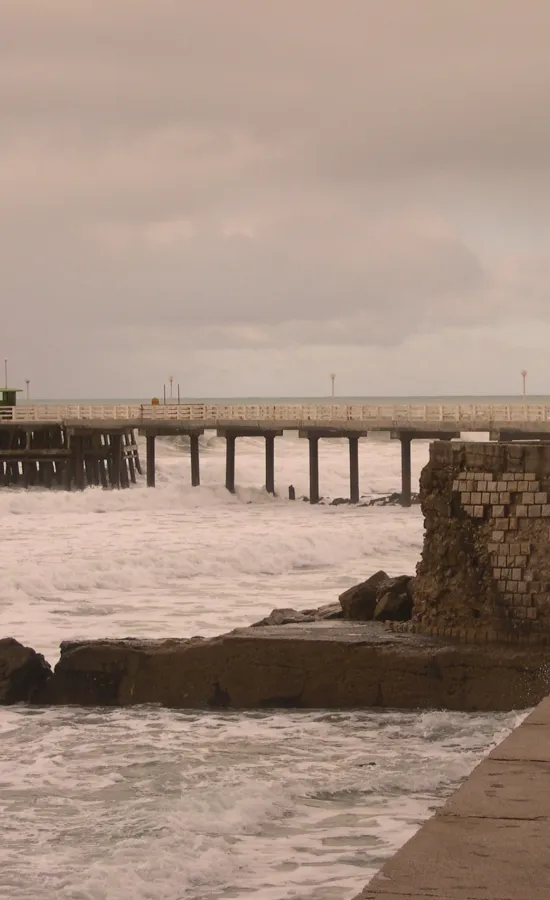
{"type": "Point", "coordinates": [491, 840]}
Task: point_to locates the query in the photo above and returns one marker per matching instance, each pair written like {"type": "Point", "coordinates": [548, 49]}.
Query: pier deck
{"type": "Point", "coordinates": [89, 427]}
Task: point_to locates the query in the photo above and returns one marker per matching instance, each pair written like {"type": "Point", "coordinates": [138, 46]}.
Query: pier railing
{"type": "Point", "coordinates": [470, 414]}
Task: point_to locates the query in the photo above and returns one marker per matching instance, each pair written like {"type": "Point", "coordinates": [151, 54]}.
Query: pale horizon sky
{"type": "Point", "coordinates": [251, 195]}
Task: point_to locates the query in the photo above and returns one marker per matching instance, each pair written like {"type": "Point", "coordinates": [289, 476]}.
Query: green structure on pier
{"type": "Point", "coordinates": [8, 396]}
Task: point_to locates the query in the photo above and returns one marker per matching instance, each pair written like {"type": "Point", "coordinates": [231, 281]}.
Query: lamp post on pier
{"type": "Point", "coordinates": [523, 377]}
{"type": "Point", "coordinates": [333, 379]}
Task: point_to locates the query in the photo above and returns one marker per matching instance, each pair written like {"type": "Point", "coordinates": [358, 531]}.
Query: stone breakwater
{"type": "Point", "coordinates": [326, 664]}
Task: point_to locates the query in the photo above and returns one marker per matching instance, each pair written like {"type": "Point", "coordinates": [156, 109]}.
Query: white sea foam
{"type": "Point", "coordinates": [153, 804]}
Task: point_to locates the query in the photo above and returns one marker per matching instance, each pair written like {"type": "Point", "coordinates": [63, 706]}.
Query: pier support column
{"type": "Point", "coordinates": [405, 469]}
{"type": "Point", "coordinates": [150, 460]}
{"type": "Point", "coordinates": [116, 450]}
{"type": "Point", "coordinates": [230, 463]}
{"type": "Point", "coordinates": [195, 460]}
{"type": "Point", "coordinates": [313, 469]}
{"type": "Point", "coordinates": [354, 469]}
{"type": "Point", "coordinates": [79, 472]}
{"type": "Point", "coordinates": [270, 463]}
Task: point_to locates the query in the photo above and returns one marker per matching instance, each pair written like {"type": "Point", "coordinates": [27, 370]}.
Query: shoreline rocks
{"type": "Point", "coordinates": [23, 672]}
{"type": "Point", "coordinates": [379, 598]}
{"type": "Point", "coordinates": [324, 664]}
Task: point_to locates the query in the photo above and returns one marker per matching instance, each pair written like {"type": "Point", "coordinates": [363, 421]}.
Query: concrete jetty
{"type": "Point", "coordinates": [27, 425]}
{"type": "Point", "coordinates": [491, 839]}
{"type": "Point", "coordinates": [329, 664]}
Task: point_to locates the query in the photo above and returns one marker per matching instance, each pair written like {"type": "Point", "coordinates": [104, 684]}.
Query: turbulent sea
{"type": "Point", "coordinates": [153, 804]}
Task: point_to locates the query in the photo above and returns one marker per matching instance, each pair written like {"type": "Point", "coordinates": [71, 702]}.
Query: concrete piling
{"type": "Point", "coordinates": [354, 468]}
{"type": "Point", "coordinates": [195, 460]}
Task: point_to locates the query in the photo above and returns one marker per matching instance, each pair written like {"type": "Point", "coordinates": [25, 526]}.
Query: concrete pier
{"type": "Point", "coordinates": [21, 463]}
{"type": "Point", "coordinates": [491, 839]}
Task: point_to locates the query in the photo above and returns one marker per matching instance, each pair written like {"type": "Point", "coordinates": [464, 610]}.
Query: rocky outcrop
{"type": "Point", "coordinates": [380, 598]}
{"type": "Point", "coordinates": [288, 616]}
{"type": "Point", "coordinates": [359, 602]}
{"type": "Point", "coordinates": [394, 600]}
{"type": "Point", "coordinates": [328, 665]}
{"type": "Point", "coordinates": [23, 672]}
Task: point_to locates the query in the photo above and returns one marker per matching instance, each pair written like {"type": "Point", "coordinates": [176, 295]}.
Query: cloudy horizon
{"type": "Point", "coordinates": [249, 196]}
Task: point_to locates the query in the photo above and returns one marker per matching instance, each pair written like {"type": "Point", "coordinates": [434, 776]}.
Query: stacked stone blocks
{"type": "Point", "coordinates": [485, 569]}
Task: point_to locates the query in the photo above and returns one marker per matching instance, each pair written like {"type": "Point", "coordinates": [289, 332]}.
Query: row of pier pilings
{"type": "Point", "coordinates": [312, 435]}
{"type": "Point", "coordinates": [54, 455]}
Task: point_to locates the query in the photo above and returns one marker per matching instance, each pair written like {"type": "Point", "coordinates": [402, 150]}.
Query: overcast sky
{"type": "Point", "coordinates": [250, 194]}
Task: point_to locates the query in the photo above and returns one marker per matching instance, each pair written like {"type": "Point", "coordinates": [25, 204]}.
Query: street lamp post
{"type": "Point", "coordinates": [523, 377]}
{"type": "Point", "coordinates": [332, 378]}
{"type": "Point", "coordinates": [27, 383]}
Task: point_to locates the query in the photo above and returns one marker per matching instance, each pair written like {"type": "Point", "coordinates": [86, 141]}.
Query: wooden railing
{"type": "Point", "coordinates": [470, 414]}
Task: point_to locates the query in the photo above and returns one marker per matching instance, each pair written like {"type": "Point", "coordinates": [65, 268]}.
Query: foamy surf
{"type": "Point", "coordinates": [152, 804]}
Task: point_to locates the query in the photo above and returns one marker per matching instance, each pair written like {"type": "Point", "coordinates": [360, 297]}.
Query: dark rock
{"type": "Point", "coordinates": [285, 616]}
{"type": "Point", "coordinates": [330, 611]}
{"type": "Point", "coordinates": [23, 672]}
{"type": "Point", "coordinates": [394, 602]}
{"type": "Point", "coordinates": [320, 665]}
{"type": "Point", "coordinates": [359, 602]}
{"type": "Point", "coordinates": [391, 500]}
{"type": "Point", "coordinates": [296, 616]}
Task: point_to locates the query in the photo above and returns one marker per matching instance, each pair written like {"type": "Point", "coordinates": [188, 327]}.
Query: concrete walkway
{"type": "Point", "coordinates": [491, 841]}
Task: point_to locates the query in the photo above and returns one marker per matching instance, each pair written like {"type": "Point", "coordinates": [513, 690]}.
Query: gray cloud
{"type": "Point", "coordinates": [304, 178]}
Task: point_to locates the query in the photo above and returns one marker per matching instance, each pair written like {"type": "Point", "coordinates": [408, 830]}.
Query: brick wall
{"type": "Point", "coordinates": [485, 568]}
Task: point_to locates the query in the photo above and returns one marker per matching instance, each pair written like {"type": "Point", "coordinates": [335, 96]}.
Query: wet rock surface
{"type": "Point", "coordinates": [23, 672]}
{"type": "Point", "coordinates": [317, 665]}
{"type": "Point", "coordinates": [288, 616]}
{"type": "Point", "coordinates": [380, 598]}
{"type": "Point", "coordinates": [394, 600]}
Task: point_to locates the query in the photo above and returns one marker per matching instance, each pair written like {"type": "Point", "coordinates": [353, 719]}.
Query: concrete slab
{"type": "Point", "coordinates": [336, 630]}
{"type": "Point", "coordinates": [376, 895]}
{"type": "Point", "coordinates": [540, 715]}
{"type": "Point", "coordinates": [462, 858]}
{"type": "Point", "coordinates": [505, 789]}
{"type": "Point", "coordinates": [529, 742]}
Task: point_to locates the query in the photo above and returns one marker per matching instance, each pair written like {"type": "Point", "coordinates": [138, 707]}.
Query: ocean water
{"type": "Point", "coordinates": [154, 804]}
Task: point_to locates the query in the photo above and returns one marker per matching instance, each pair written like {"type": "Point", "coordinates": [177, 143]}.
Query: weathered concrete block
{"type": "Point", "coordinates": [472, 558]}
